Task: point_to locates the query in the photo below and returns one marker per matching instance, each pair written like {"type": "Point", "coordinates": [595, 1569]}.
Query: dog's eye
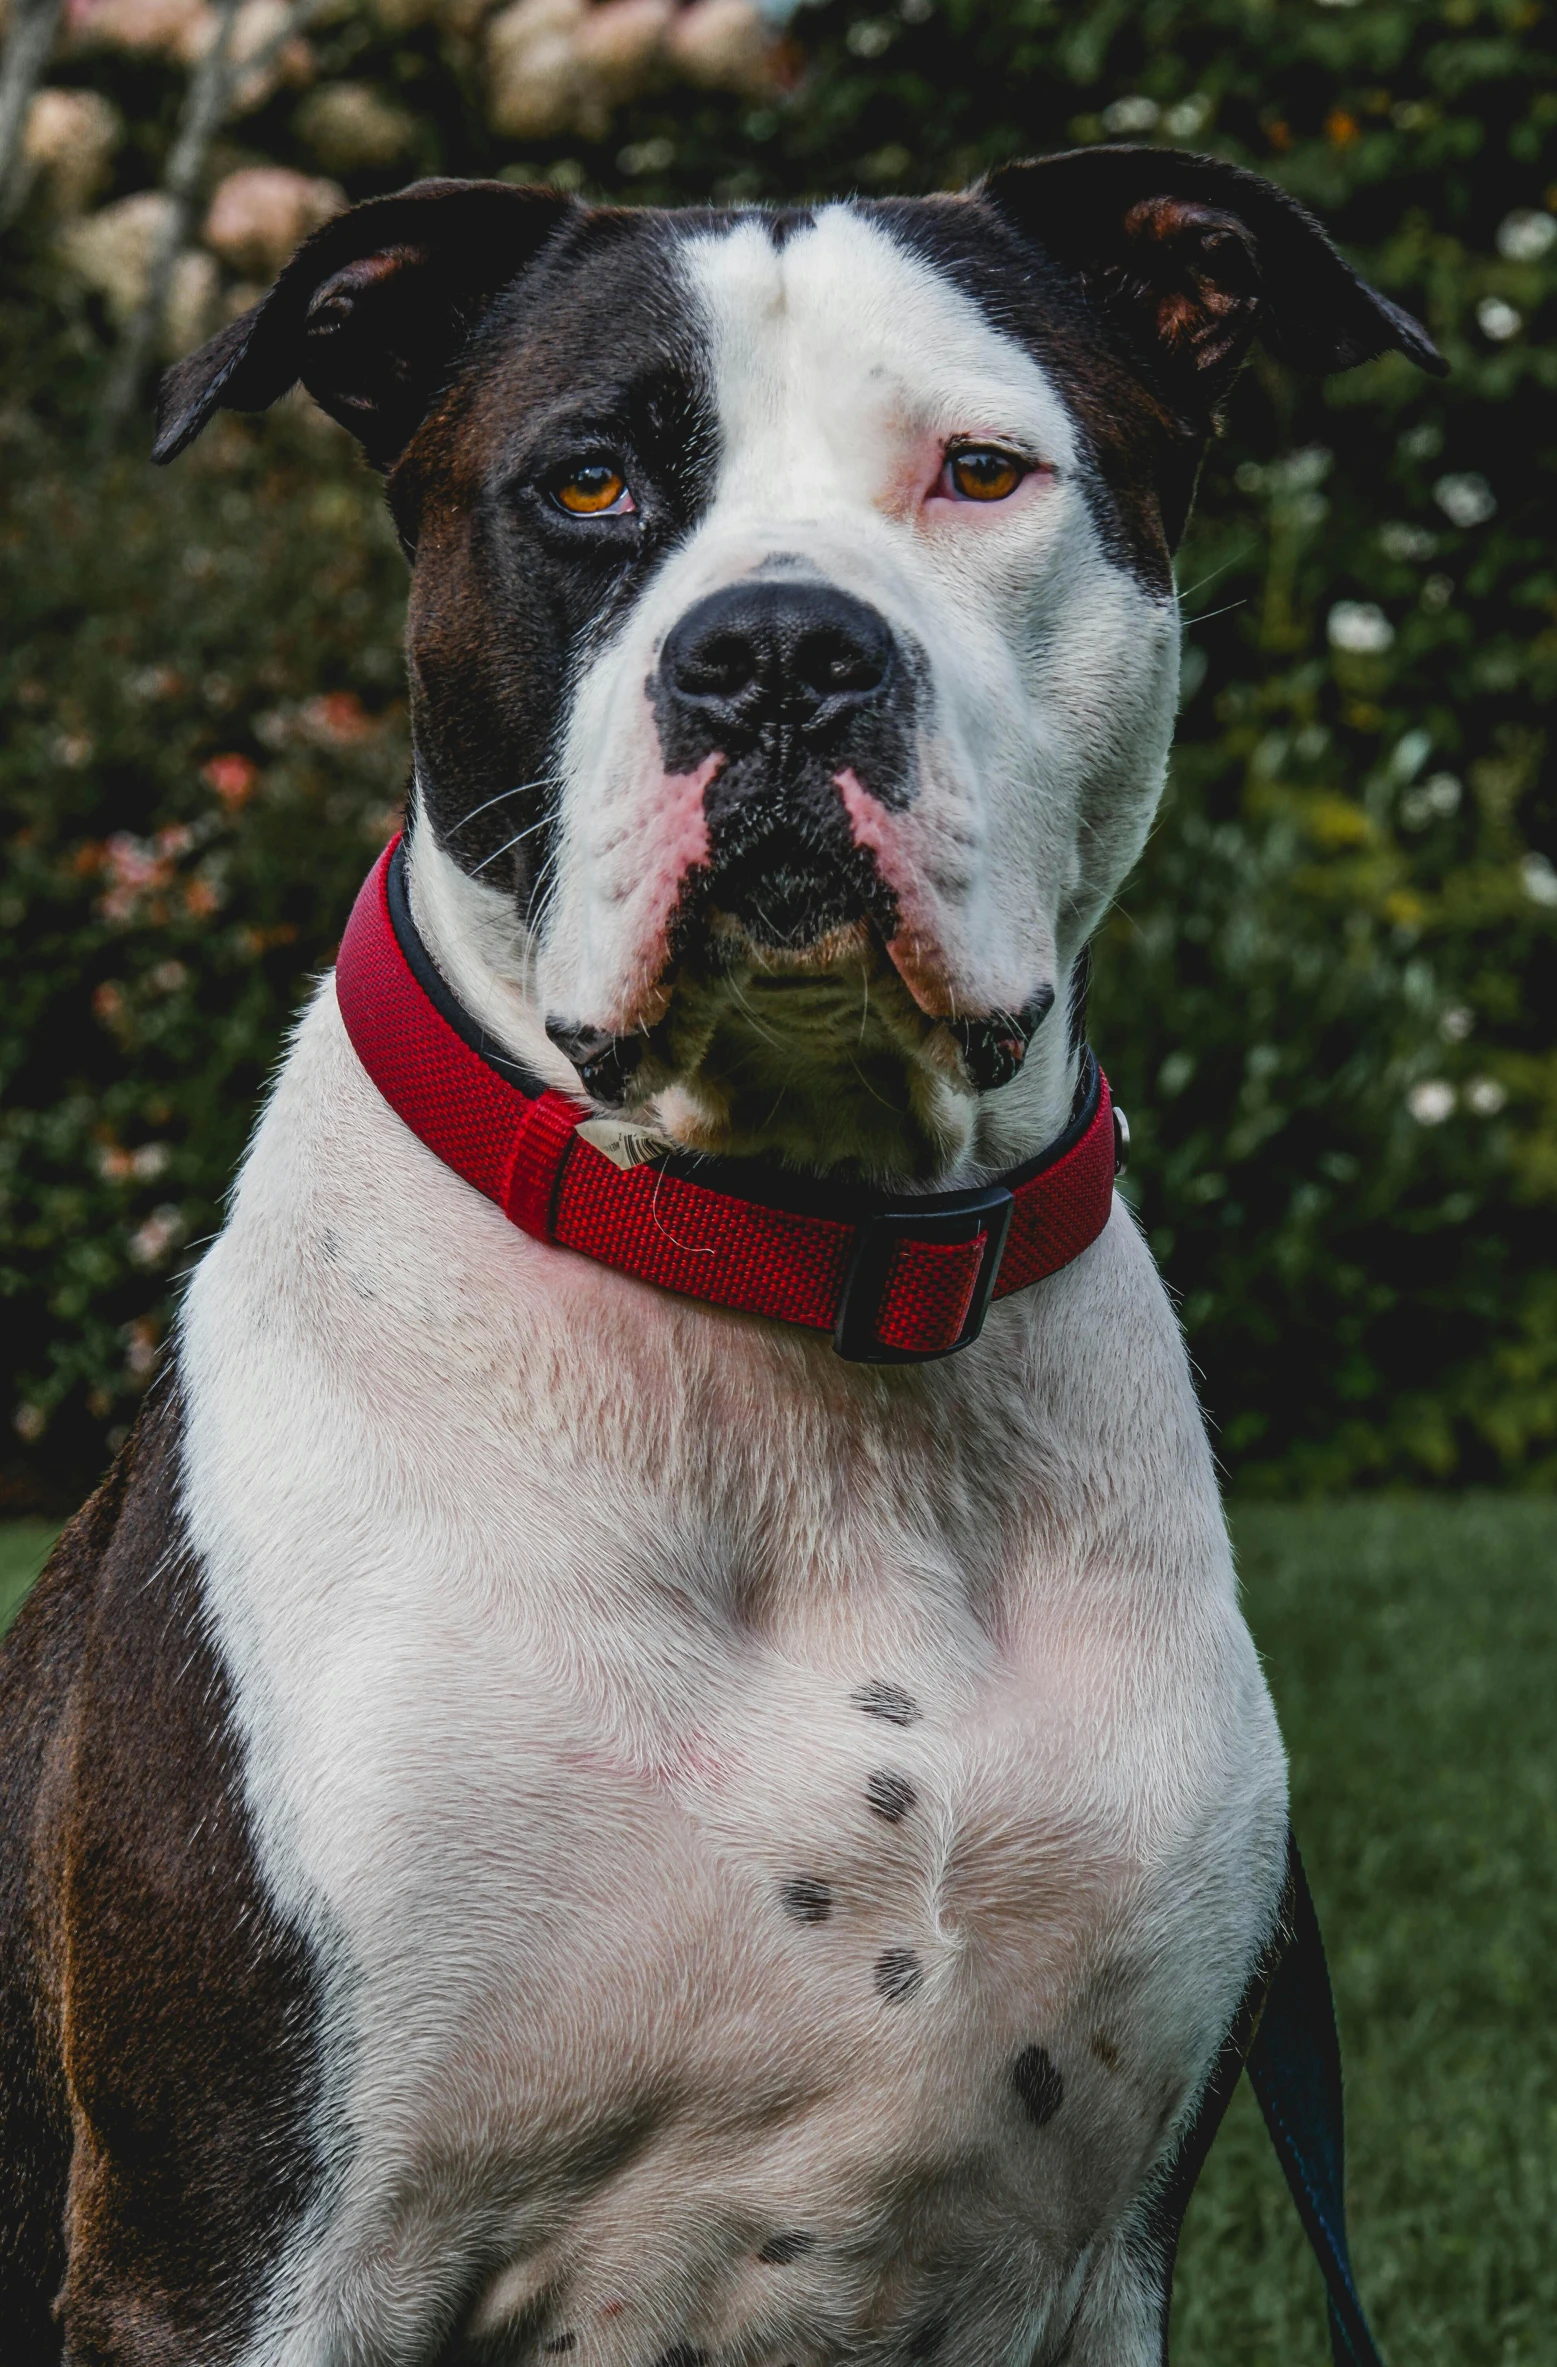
{"type": "Point", "coordinates": [981, 472]}
{"type": "Point", "coordinates": [597, 490]}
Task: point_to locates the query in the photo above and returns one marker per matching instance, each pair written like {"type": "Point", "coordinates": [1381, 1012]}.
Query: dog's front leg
{"type": "Point", "coordinates": [1121, 2317]}
{"type": "Point", "coordinates": [173, 2074]}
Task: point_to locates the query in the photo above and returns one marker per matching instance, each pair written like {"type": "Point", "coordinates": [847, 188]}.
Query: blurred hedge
{"type": "Point", "coordinates": [1325, 998]}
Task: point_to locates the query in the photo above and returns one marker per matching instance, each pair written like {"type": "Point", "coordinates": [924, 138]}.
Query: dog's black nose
{"type": "Point", "coordinates": [756, 657]}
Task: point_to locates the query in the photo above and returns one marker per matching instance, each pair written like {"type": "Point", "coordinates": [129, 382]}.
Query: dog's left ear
{"type": "Point", "coordinates": [1192, 259]}
{"type": "Point", "coordinates": [369, 313]}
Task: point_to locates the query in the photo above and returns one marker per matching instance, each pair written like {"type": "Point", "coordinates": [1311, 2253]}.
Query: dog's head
{"type": "Point", "coordinates": [792, 636]}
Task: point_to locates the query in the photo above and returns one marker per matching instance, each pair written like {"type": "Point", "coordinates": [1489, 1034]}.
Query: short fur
{"type": "Point", "coordinates": [537, 1817]}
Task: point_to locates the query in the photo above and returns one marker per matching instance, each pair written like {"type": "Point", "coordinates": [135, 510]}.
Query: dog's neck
{"type": "Point", "coordinates": [951, 1137]}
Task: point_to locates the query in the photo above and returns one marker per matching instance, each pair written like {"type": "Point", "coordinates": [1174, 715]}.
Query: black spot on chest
{"type": "Point", "coordinates": [881, 1700]}
{"type": "Point", "coordinates": [780, 2250]}
{"type": "Point", "coordinates": [1039, 2087]}
{"type": "Point", "coordinates": [806, 1899]}
{"type": "Point", "coordinates": [890, 1795]}
{"type": "Point", "coordinates": [897, 1974]}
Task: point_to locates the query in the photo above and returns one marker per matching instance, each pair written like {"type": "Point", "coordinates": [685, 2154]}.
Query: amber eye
{"type": "Point", "coordinates": [981, 473]}
{"type": "Point", "coordinates": [593, 491]}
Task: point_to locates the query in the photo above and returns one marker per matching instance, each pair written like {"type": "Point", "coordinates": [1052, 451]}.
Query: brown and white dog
{"type": "Point", "coordinates": [537, 1816]}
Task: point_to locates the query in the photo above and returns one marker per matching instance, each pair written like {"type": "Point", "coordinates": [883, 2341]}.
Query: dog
{"type": "Point", "coordinates": [545, 1814]}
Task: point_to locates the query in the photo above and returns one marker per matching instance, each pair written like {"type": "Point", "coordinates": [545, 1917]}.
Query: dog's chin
{"type": "Point", "coordinates": [812, 1055]}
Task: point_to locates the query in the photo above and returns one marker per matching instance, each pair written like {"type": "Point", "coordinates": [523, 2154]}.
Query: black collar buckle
{"type": "Point", "coordinates": [954, 1217]}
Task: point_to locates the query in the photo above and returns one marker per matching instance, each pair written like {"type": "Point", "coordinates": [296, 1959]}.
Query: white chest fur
{"type": "Point", "coordinates": [784, 1841]}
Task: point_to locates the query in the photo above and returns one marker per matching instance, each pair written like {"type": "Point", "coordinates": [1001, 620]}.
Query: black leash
{"type": "Point", "coordinates": [1284, 2036]}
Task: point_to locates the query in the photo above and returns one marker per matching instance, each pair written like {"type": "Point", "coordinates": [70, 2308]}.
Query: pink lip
{"type": "Point", "coordinates": [680, 848]}
{"type": "Point", "coordinates": [912, 951]}
{"type": "Point", "coordinates": [684, 839]}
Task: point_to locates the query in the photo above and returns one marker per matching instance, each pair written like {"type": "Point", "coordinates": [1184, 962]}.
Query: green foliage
{"type": "Point", "coordinates": [204, 742]}
{"type": "Point", "coordinates": [24, 1548]}
{"type": "Point", "coordinates": [1324, 998]}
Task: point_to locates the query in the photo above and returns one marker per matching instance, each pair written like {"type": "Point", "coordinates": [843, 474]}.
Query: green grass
{"type": "Point", "coordinates": [1412, 1648]}
{"type": "Point", "coordinates": [24, 1548]}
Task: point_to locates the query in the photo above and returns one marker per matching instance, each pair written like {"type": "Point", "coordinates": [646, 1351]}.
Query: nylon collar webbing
{"type": "Point", "coordinates": [895, 1281]}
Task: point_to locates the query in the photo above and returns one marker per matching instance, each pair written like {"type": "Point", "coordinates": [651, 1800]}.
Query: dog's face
{"type": "Point", "coordinates": [792, 635]}
{"type": "Point", "coordinates": [784, 662]}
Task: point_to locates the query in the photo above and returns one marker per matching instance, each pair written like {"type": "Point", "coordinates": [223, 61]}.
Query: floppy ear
{"type": "Point", "coordinates": [369, 313]}
{"type": "Point", "coordinates": [1191, 259]}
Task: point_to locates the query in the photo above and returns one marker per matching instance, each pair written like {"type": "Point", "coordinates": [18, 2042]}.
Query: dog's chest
{"type": "Point", "coordinates": [740, 1978]}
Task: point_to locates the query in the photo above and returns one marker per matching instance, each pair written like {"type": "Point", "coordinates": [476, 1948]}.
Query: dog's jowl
{"type": "Point", "coordinates": [540, 1814]}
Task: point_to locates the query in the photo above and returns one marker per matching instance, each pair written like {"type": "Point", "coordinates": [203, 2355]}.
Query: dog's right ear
{"type": "Point", "coordinates": [1191, 258]}
{"type": "Point", "coordinates": [369, 313]}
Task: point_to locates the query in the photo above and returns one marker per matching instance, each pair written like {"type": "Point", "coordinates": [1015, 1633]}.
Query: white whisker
{"type": "Point", "coordinates": [508, 843]}
{"type": "Point", "coordinates": [517, 790]}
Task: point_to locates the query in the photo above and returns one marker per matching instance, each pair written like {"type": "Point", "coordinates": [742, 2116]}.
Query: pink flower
{"type": "Point", "coordinates": [337, 720]}
{"type": "Point", "coordinates": [233, 779]}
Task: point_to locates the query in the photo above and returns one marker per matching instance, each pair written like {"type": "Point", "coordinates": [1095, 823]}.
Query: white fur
{"type": "Point", "coordinates": [544, 1594]}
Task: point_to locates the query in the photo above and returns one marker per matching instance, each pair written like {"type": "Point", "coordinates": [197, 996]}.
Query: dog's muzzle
{"type": "Point", "coordinates": [790, 683]}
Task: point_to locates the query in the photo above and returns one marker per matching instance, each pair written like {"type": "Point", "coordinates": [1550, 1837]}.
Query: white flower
{"type": "Point", "coordinates": [1134, 114]}
{"type": "Point", "coordinates": [1410, 752]}
{"type": "Point", "coordinates": [1498, 320]}
{"type": "Point", "coordinates": [162, 1231]}
{"type": "Point", "coordinates": [1485, 1096]}
{"type": "Point", "coordinates": [646, 156]}
{"type": "Point", "coordinates": [1299, 471]}
{"type": "Point", "coordinates": [1525, 237]}
{"type": "Point", "coordinates": [1187, 117]}
{"type": "Point", "coordinates": [1455, 1024]}
{"type": "Point", "coordinates": [1400, 541]}
{"type": "Point", "coordinates": [1432, 801]}
{"type": "Point", "coordinates": [257, 216]}
{"type": "Point", "coordinates": [1540, 880]}
{"type": "Point", "coordinates": [1466, 500]}
{"type": "Point", "coordinates": [1359, 627]}
{"type": "Point", "coordinates": [1431, 1102]}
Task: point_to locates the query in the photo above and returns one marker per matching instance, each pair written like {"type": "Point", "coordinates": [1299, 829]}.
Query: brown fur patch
{"type": "Point", "coordinates": [160, 2019]}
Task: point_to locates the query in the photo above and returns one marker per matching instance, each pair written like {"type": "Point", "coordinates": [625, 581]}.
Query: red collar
{"type": "Point", "coordinates": [894, 1281]}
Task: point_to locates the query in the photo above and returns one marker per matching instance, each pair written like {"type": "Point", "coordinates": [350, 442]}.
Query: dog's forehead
{"type": "Point", "coordinates": [820, 351]}
{"type": "Point", "coordinates": [842, 317]}
{"type": "Point", "coordinates": [835, 325]}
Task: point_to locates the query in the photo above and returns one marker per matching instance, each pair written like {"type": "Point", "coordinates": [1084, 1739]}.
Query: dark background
{"type": "Point", "coordinates": [1325, 998]}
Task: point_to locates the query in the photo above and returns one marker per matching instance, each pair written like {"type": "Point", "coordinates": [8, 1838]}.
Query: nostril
{"type": "Point", "coordinates": [717, 666]}
{"type": "Point", "coordinates": [834, 663]}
